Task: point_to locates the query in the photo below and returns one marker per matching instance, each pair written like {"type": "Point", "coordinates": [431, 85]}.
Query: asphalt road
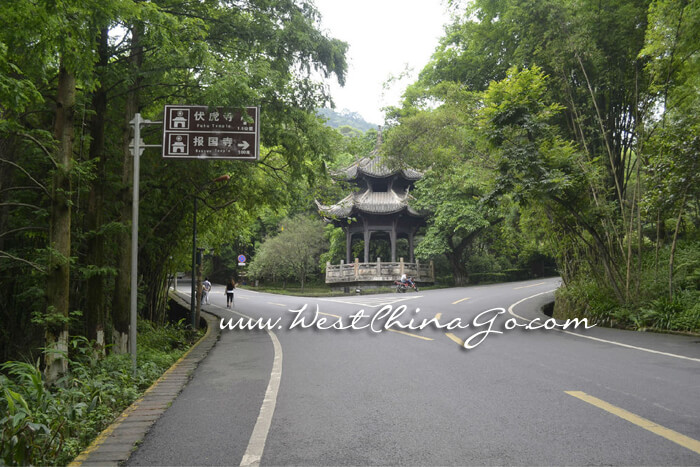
{"type": "Point", "coordinates": [357, 397]}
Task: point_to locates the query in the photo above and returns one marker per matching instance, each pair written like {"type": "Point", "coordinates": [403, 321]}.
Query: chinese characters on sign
{"type": "Point", "coordinates": [201, 132]}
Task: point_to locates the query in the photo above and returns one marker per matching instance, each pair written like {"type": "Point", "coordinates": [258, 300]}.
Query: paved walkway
{"type": "Point", "coordinates": [116, 443]}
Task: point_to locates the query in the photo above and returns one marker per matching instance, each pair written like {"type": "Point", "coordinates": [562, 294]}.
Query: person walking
{"type": "Point", "coordinates": [206, 288]}
{"type": "Point", "coordinates": [230, 287]}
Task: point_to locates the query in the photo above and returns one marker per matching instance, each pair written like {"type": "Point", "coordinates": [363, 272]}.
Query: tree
{"type": "Point", "coordinates": [444, 143]}
{"type": "Point", "coordinates": [63, 46]}
{"type": "Point", "coordinates": [294, 252]}
{"type": "Point", "coordinates": [599, 105]}
{"type": "Point", "coordinates": [124, 57]}
{"type": "Point", "coordinates": [588, 112]}
{"type": "Point", "coordinates": [536, 165]}
{"type": "Point", "coordinates": [671, 46]}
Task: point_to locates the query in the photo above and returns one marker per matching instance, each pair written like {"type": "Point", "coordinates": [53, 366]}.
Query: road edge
{"type": "Point", "coordinates": [115, 444]}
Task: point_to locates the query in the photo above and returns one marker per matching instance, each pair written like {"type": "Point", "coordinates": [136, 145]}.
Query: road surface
{"type": "Point", "coordinates": [357, 397]}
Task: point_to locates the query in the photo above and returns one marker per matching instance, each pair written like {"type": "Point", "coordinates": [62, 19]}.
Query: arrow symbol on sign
{"type": "Point", "coordinates": [243, 145]}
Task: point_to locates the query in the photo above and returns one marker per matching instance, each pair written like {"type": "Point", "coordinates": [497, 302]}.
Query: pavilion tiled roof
{"type": "Point", "coordinates": [374, 166]}
{"type": "Point", "coordinates": [370, 202]}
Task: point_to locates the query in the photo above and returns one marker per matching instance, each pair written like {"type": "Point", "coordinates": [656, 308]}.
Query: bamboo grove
{"type": "Point", "coordinates": [576, 125]}
{"type": "Point", "coordinates": [72, 76]}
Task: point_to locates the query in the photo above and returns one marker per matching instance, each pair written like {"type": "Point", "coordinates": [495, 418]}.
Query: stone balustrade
{"type": "Point", "coordinates": [378, 272]}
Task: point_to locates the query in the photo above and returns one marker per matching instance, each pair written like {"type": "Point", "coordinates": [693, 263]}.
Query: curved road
{"type": "Point", "coordinates": [357, 397]}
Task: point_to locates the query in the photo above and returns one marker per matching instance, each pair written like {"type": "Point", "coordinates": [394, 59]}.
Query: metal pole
{"type": "Point", "coordinates": [193, 311]}
{"type": "Point", "coordinates": [135, 238]}
{"type": "Point", "coordinates": [198, 308]}
{"type": "Point", "coordinates": [137, 148]}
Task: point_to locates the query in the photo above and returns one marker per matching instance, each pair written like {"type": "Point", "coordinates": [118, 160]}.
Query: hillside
{"type": "Point", "coordinates": [345, 117]}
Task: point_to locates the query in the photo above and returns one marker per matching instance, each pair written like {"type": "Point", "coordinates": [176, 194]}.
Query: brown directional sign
{"type": "Point", "coordinates": [201, 132]}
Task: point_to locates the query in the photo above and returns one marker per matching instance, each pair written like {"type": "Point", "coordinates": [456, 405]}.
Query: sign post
{"type": "Point", "coordinates": [137, 147]}
{"type": "Point", "coordinates": [190, 132]}
{"type": "Point", "coordinates": [201, 132]}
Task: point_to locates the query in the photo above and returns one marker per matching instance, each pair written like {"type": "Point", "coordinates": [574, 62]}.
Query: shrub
{"type": "Point", "coordinates": [51, 425]}
{"type": "Point", "coordinates": [487, 277]}
{"type": "Point", "coordinates": [584, 299]}
{"type": "Point", "coordinates": [680, 314]}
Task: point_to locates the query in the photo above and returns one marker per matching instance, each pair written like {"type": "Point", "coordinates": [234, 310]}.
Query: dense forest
{"type": "Point", "coordinates": [568, 129]}
{"type": "Point", "coordinates": [555, 137]}
{"type": "Point", "coordinates": [72, 76]}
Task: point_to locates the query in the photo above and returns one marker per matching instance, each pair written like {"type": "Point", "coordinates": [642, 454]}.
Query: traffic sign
{"type": "Point", "coordinates": [241, 258]}
{"type": "Point", "coordinates": [201, 132]}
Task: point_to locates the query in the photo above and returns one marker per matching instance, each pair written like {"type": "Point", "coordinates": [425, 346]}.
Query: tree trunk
{"type": "Point", "coordinates": [673, 243]}
{"type": "Point", "coordinates": [459, 272]}
{"type": "Point", "coordinates": [7, 152]}
{"type": "Point", "coordinates": [58, 281]}
{"type": "Point", "coordinates": [122, 286]}
{"type": "Point", "coordinates": [94, 218]}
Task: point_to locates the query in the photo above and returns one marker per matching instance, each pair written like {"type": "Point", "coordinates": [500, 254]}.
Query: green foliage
{"type": "Point", "coordinates": [335, 237]}
{"type": "Point", "coordinates": [487, 277]}
{"type": "Point", "coordinates": [662, 314]}
{"type": "Point", "coordinates": [293, 253]}
{"type": "Point", "coordinates": [29, 429]}
{"type": "Point", "coordinates": [127, 55]}
{"type": "Point", "coordinates": [584, 297]}
{"type": "Point", "coordinates": [50, 425]}
{"type": "Point", "coordinates": [671, 52]}
{"type": "Point", "coordinates": [445, 143]}
{"type": "Point", "coordinates": [578, 123]}
{"type": "Point", "coordinates": [534, 163]}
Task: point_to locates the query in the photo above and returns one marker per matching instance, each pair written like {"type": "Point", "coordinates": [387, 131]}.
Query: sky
{"type": "Point", "coordinates": [386, 37]}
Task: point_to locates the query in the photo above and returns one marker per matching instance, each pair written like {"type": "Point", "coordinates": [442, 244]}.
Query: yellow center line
{"type": "Point", "coordinates": [526, 286]}
{"type": "Point", "coordinates": [461, 300]}
{"type": "Point", "coordinates": [685, 441]}
{"type": "Point", "coordinates": [278, 304]}
{"type": "Point", "coordinates": [455, 338]}
{"type": "Point", "coordinates": [438, 316]}
{"type": "Point", "coordinates": [328, 314]}
{"type": "Point", "coordinates": [410, 335]}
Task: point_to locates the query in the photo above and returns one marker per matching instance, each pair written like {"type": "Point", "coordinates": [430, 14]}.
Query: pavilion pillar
{"type": "Point", "coordinates": [411, 259]}
{"type": "Point", "coordinates": [392, 239]}
{"type": "Point", "coordinates": [368, 236]}
{"type": "Point", "coordinates": [348, 245]}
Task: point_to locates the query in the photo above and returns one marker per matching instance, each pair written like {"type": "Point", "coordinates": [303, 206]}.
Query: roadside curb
{"type": "Point", "coordinates": [116, 443]}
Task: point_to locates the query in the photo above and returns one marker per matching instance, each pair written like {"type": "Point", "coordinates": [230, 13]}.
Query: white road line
{"type": "Point", "coordinates": [643, 349]}
{"type": "Point", "coordinates": [634, 347]}
{"type": "Point", "coordinates": [510, 308]}
{"type": "Point", "coordinates": [258, 438]}
{"type": "Point", "coordinates": [256, 445]}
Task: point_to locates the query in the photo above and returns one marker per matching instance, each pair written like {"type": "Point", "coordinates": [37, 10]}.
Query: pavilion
{"type": "Point", "coordinates": [379, 207]}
